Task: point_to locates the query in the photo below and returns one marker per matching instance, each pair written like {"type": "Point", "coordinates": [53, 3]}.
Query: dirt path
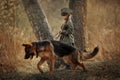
{"type": "Point", "coordinates": [109, 70]}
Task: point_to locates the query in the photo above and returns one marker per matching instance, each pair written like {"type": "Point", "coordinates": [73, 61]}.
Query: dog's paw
{"type": "Point", "coordinates": [41, 72]}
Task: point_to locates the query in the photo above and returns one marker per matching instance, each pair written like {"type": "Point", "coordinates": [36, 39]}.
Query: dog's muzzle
{"type": "Point", "coordinates": [27, 56]}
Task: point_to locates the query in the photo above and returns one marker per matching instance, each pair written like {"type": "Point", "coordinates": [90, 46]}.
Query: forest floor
{"type": "Point", "coordinates": [109, 70]}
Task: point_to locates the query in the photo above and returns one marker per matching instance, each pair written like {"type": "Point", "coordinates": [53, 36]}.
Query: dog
{"type": "Point", "coordinates": [52, 50]}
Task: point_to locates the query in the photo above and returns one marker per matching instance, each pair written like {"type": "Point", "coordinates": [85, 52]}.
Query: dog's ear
{"type": "Point", "coordinates": [25, 45]}
{"type": "Point", "coordinates": [30, 44]}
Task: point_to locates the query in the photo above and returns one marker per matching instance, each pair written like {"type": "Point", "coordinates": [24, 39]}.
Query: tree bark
{"type": "Point", "coordinates": [37, 19]}
{"type": "Point", "coordinates": [79, 15]}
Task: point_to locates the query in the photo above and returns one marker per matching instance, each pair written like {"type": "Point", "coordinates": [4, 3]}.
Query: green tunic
{"type": "Point", "coordinates": [67, 33]}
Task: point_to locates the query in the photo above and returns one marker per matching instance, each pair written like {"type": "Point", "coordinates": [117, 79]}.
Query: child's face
{"type": "Point", "coordinates": [65, 17]}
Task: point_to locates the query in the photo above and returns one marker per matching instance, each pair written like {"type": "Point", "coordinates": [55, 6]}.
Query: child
{"type": "Point", "coordinates": [67, 28]}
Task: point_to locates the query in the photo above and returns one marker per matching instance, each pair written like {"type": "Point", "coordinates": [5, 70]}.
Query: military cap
{"type": "Point", "coordinates": [66, 10]}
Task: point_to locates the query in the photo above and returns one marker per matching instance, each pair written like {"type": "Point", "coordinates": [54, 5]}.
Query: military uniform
{"type": "Point", "coordinates": [67, 29]}
{"type": "Point", "coordinates": [67, 33]}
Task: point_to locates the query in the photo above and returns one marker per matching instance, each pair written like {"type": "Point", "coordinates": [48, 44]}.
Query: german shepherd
{"type": "Point", "coordinates": [51, 50]}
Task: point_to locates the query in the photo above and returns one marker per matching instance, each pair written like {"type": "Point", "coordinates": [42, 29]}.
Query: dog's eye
{"type": "Point", "coordinates": [28, 49]}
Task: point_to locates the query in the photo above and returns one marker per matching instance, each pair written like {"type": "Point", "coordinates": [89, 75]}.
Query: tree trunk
{"type": "Point", "coordinates": [79, 15]}
{"type": "Point", "coordinates": [37, 19]}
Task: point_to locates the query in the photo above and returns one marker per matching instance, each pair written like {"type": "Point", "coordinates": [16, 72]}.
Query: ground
{"type": "Point", "coordinates": [109, 70]}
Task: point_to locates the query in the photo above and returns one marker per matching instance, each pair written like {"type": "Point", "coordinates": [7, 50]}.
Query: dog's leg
{"type": "Point", "coordinates": [40, 63]}
{"type": "Point", "coordinates": [82, 65]}
{"type": "Point", "coordinates": [73, 66]}
{"type": "Point", "coordinates": [52, 65]}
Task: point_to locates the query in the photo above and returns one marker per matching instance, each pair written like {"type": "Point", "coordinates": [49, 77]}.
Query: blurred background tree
{"type": "Point", "coordinates": [37, 19]}
{"type": "Point", "coordinates": [79, 21]}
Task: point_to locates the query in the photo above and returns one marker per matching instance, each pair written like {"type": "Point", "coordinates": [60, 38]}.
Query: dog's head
{"type": "Point", "coordinates": [29, 51]}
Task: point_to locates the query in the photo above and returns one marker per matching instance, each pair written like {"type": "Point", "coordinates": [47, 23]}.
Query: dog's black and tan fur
{"type": "Point", "coordinates": [51, 50]}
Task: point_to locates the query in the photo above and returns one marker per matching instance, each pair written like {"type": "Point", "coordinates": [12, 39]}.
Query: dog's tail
{"type": "Point", "coordinates": [86, 55]}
